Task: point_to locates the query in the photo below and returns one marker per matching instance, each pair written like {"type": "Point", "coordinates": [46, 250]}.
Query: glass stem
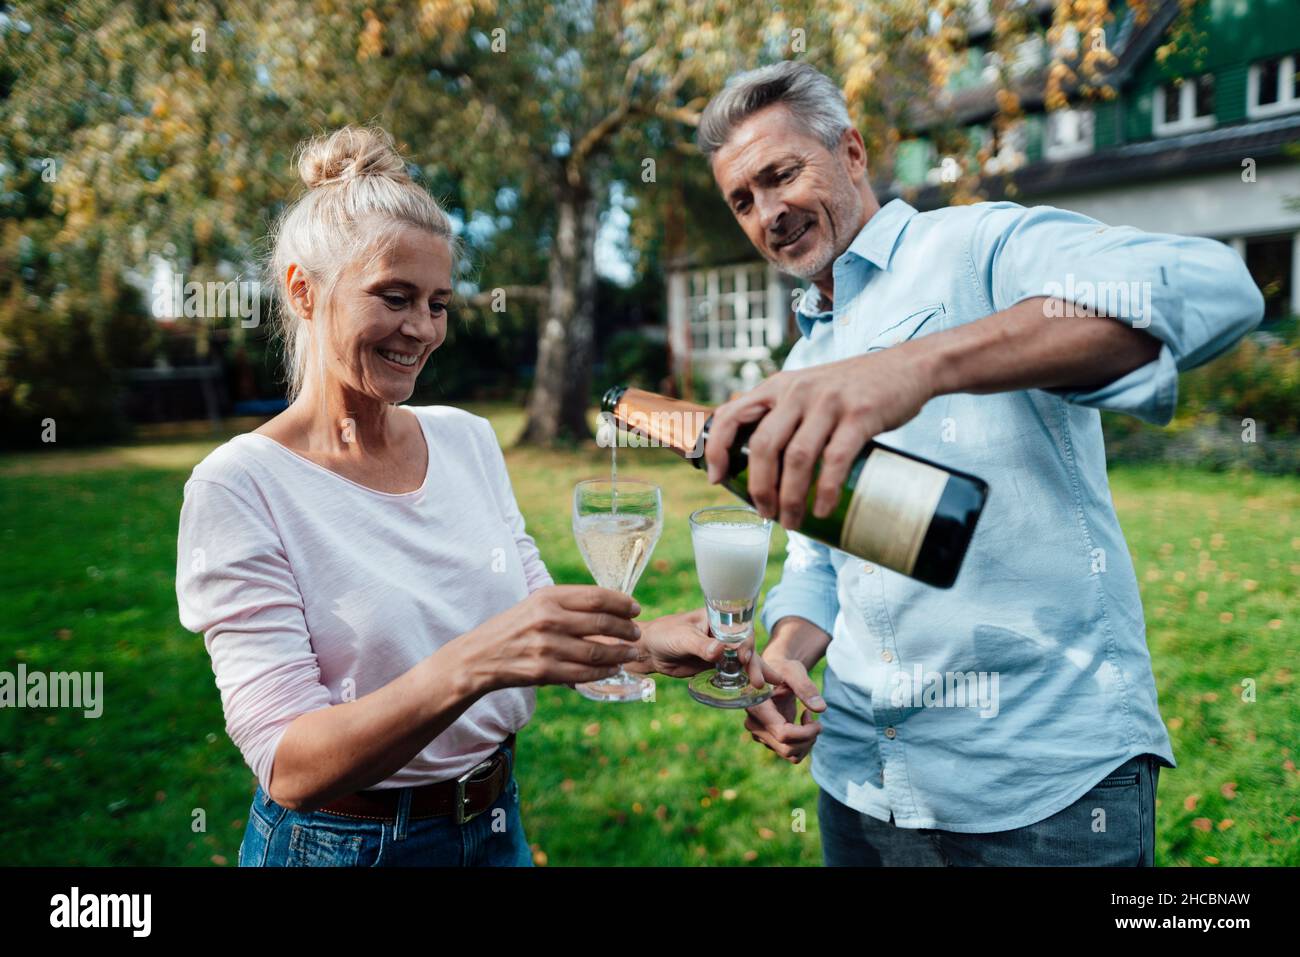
{"type": "Point", "coordinates": [729, 672]}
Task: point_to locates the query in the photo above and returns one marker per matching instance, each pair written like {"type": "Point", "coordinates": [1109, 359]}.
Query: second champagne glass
{"type": "Point", "coordinates": [617, 524]}
{"type": "Point", "coordinates": [731, 545]}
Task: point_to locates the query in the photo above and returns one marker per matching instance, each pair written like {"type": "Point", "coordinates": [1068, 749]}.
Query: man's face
{"type": "Point", "coordinates": [797, 201]}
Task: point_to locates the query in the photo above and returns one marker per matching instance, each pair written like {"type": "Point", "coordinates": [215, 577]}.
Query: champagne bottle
{"type": "Point", "coordinates": [896, 509]}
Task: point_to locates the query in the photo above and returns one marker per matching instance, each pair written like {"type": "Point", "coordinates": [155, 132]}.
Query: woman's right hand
{"type": "Point", "coordinates": [542, 639]}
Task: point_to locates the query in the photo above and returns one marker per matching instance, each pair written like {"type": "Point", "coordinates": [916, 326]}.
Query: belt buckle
{"type": "Point", "coordinates": [461, 799]}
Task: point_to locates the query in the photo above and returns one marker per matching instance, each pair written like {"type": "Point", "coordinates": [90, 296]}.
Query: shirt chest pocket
{"type": "Point", "coordinates": [926, 319]}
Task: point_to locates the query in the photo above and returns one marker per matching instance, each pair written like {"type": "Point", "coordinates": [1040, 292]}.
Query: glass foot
{"type": "Point", "coordinates": [705, 689]}
{"type": "Point", "coordinates": [620, 687]}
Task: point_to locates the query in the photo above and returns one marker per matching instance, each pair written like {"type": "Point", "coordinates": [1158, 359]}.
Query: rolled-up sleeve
{"type": "Point", "coordinates": [234, 585]}
{"type": "Point", "coordinates": [1192, 294]}
{"type": "Point", "coordinates": [807, 588]}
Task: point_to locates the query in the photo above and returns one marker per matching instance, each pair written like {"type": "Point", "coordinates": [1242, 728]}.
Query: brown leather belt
{"type": "Point", "coordinates": [464, 797]}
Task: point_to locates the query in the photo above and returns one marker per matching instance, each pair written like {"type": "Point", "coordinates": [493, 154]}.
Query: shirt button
{"type": "Point", "coordinates": [887, 656]}
{"type": "Point", "coordinates": [867, 569]}
{"type": "Point", "coordinates": [890, 733]}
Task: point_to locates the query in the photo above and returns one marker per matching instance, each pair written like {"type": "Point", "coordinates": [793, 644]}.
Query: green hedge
{"type": "Point", "coordinates": [1240, 411]}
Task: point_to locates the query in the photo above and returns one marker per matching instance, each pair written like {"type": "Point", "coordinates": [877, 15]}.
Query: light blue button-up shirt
{"type": "Point", "coordinates": [998, 702]}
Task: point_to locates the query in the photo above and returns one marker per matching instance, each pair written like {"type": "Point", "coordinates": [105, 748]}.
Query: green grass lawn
{"type": "Point", "coordinates": [87, 583]}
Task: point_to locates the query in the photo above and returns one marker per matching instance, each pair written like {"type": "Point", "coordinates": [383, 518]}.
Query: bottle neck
{"type": "Point", "coordinates": [666, 422]}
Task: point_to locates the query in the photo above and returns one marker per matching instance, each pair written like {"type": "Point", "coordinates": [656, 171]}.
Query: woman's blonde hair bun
{"type": "Point", "coordinates": [348, 153]}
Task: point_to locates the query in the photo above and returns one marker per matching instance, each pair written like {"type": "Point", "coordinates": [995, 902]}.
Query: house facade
{"type": "Point", "coordinates": [1206, 143]}
{"type": "Point", "coordinates": [1199, 144]}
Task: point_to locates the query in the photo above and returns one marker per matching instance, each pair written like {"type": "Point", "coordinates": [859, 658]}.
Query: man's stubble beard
{"type": "Point", "coordinates": [846, 210]}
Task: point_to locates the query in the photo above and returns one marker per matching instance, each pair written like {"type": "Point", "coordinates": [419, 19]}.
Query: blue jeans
{"type": "Point", "coordinates": [276, 836]}
{"type": "Point", "coordinates": [1113, 825]}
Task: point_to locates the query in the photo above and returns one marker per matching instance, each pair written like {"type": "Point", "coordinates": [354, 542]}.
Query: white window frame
{"type": "Point", "coordinates": [1287, 101]}
{"type": "Point", "coordinates": [990, 71]}
{"type": "Point", "coordinates": [1030, 55]}
{"type": "Point", "coordinates": [756, 324]}
{"type": "Point", "coordinates": [1087, 120]}
{"type": "Point", "coordinates": [1011, 149]}
{"type": "Point", "coordinates": [1188, 121]}
{"type": "Point", "coordinates": [1067, 47]}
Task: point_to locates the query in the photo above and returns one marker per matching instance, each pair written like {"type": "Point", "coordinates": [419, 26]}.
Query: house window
{"type": "Point", "coordinates": [1184, 106]}
{"type": "Point", "coordinates": [1069, 133]}
{"type": "Point", "coordinates": [1007, 149]}
{"type": "Point", "coordinates": [699, 324]}
{"type": "Point", "coordinates": [1273, 87]}
{"type": "Point", "coordinates": [729, 314]}
{"type": "Point", "coordinates": [1067, 47]}
{"type": "Point", "coordinates": [1269, 259]}
{"type": "Point", "coordinates": [911, 160]}
{"type": "Point", "coordinates": [1029, 55]}
{"type": "Point", "coordinates": [1203, 96]}
{"type": "Point", "coordinates": [762, 330]}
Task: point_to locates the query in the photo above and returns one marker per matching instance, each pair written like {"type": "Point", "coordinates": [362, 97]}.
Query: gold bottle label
{"type": "Point", "coordinates": [890, 512]}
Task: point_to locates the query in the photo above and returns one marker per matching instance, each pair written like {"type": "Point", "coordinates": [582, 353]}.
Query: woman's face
{"type": "Point", "coordinates": [390, 315]}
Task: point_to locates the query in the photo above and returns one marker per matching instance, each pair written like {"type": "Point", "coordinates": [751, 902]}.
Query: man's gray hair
{"type": "Point", "coordinates": [812, 98]}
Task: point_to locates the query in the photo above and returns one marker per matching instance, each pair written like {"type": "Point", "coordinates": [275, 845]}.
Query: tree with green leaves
{"type": "Point", "coordinates": [139, 132]}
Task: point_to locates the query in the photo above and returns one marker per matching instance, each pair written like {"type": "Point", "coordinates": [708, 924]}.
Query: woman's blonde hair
{"type": "Point", "coordinates": [358, 189]}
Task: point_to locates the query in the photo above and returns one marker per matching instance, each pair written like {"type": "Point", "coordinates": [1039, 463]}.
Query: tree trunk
{"type": "Point", "coordinates": [558, 404]}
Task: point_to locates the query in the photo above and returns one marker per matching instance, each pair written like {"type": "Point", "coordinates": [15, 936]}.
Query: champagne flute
{"type": "Point", "coordinates": [731, 545]}
{"type": "Point", "coordinates": [616, 524]}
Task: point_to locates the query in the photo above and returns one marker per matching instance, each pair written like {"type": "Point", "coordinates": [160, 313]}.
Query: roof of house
{"type": "Point", "coordinates": [1218, 148]}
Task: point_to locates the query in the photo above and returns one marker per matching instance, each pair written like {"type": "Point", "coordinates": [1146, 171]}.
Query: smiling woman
{"type": "Point", "coordinates": [376, 614]}
{"type": "Point", "coordinates": [362, 214]}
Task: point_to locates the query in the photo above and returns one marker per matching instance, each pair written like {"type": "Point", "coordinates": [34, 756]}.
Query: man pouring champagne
{"type": "Point", "coordinates": [941, 333]}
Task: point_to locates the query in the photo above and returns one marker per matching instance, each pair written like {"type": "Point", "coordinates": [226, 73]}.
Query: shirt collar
{"type": "Point", "coordinates": [876, 240]}
{"type": "Point", "coordinates": [874, 243]}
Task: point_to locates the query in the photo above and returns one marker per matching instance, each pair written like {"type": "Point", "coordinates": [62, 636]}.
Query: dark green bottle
{"type": "Point", "coordinates": [896, 509]}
